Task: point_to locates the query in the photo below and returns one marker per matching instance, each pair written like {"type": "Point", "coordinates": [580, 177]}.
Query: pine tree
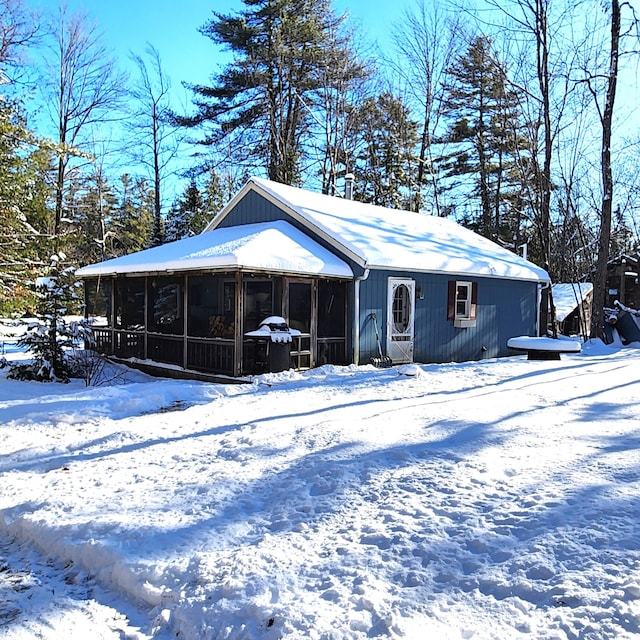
{"type": "Point", "coordinates": [188, 215]}
{"type": "Point", "coordinates": [385, 167]}
{"type": "Point", "coordinates": [484, 129]}
{"type": "Point", "coordinates": [133, 222]}
{"type": "Point", "coordinates": [218, 189]}
{"type": "Point", "coordinates": [24, 218]}
{"type": "Point", "coordinates": [91, 204]}
{"type": "Point", "coordinates": [259, 105]}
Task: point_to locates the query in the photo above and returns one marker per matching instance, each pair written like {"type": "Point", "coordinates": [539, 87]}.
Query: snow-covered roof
{"type": "Point", "coordinates": [377, 237]}
{"type": "Point", "coordinates": [269, 247]}
{"type": "Point", "coordinates": [568, 295]}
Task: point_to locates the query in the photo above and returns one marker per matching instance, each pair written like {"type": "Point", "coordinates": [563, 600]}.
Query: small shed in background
{"type": "Point", "coordinates": [572, 301]}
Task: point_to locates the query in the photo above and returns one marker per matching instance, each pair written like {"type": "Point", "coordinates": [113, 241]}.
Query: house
{"type": "Point", "coordinates": [336, 271]}
{"type": "Point", "coordinates": [572, 301]}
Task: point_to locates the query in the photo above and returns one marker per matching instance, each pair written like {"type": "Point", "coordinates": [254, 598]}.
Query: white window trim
{"type": "Point", "coordinates": [464, 321]}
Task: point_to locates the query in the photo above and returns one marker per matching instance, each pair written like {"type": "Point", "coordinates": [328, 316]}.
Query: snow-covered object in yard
{"type": "Point", "coordinates": [542, 343]}
{"type": "Point", "coordinates": [626, 322]}
{"type": "Point", "coordinates": [268, 247]}
{"type": "Point", "coordinates": [274, 328]}
{"type": "Point", "coordinates": [377, 237]}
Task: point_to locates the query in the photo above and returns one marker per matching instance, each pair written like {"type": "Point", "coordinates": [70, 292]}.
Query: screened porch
{"type": "Point", "coordinates": [198, 321]}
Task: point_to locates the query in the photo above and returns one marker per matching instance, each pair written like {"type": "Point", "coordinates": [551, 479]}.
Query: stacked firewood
{"type": "Point", "coordinates": [219, 329]}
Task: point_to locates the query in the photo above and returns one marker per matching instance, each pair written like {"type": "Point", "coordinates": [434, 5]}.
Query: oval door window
{"type": "Point", "coordinates": [401, 309]}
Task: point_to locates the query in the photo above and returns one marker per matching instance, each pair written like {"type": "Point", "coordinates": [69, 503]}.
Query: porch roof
{"type": "Point", "coordinates": [274, 247]}
{"type": "Point", "coordinates": [377, 237]}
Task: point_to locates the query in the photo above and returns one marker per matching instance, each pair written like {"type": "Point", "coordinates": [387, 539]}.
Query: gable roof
{"type": "Point", "coordinates": [376, 237]}
{"type": "Point", "coordinates": [265, 247]}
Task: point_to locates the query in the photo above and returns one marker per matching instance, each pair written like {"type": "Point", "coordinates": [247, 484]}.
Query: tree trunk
{"type": "Point", "coordinates": [599, 285]}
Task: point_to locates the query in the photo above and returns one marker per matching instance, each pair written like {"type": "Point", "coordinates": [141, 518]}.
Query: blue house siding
{"type": "Point", "coordinates": [254, 208]}
{"type": "Point", "coordinates": [505, 308]}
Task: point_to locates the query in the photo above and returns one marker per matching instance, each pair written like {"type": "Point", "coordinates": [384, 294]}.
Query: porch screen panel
{"type": "Point", "coordinates": [300, 306]}
{"type": "Point", "coordinates": [331, 309]}
{"type": "Point", "coordinates": [166, 314]}
{"type": "Point", "coordinates": [97, 293]}
{"type": "Point", "coordinates": [129, 311]}
{"type": "Point", "coordinates": [332, 320]}
{"type": "Point", "coordinates": [258, 302]}
{"type": "Point", "coordinates": [211, 312]}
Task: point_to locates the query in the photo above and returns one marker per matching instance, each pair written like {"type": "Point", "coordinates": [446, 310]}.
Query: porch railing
{"type": "Point", "coordinates": [331, 351]}
{"type": "Point", "coordinates": [212, 355]}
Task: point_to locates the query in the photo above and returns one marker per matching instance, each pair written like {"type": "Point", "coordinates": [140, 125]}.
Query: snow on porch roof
{"type": "Point", "coordinates": [394, 239]}
{"type": "Point", "coordinates": [267, 247]}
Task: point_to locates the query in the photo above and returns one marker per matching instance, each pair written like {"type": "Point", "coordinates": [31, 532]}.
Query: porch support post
{"type": "Point", "coordinates": [356, 316]}
{"type": "Point", "coordinates": [111, 318]}
{"type": "Point", "coordinates": [185, 314]}
{"type": "Point", "coordinates": [313, 328]}
{"type": "Point", "coordinates": [238, 350]}
{"type": "Point", "coordinates": [146, 315]}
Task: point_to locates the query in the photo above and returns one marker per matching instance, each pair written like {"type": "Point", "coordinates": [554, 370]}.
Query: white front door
{"type": "Point", "coordinates": [400, 319]}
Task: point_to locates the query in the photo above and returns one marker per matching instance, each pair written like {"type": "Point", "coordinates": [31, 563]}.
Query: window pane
{"type": "Point", "coordinates": [462, 300]}
{"type": "Point", "coordinates": [401, 308]}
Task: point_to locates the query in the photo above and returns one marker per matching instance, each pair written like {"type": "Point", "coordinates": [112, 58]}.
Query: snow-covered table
{"type": "Point", "coordinates": [543, 348]}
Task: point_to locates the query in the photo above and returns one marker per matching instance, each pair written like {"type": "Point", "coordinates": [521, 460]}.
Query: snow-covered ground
{"type": "Point", "coordinates": [497, 499]}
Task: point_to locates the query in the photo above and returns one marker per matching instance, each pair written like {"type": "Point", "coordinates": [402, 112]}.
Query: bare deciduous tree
{"type": "Point", "coordinates": [85, 91]}
{"type": "Point", "coordinates": [606, 120]}
{"type": "Point", "coordinates": [18, 29]}
{"type": "Point", "coordinates": [427, 40]}
{"type": "Point", "coordinates": [157, 140]}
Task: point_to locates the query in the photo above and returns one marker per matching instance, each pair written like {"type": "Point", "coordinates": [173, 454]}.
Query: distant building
{"type": "Point", "coordinates": [572, 303]}
{"type": "Point", "coordinates": [623, 281]}
{"type": "Point", "coordinates": [353, 280]}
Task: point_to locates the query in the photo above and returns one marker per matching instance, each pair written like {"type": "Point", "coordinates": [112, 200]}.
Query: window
{"type": "Point", "coordinates": [401, 309]}
{"type": "Point", "coordinates": [463, 300]}
{"type": "Point", "coordinates": [462, 303]}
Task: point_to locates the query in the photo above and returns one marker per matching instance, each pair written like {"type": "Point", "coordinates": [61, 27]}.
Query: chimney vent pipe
{"type": "Point", "coordinates": [348, 186]}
